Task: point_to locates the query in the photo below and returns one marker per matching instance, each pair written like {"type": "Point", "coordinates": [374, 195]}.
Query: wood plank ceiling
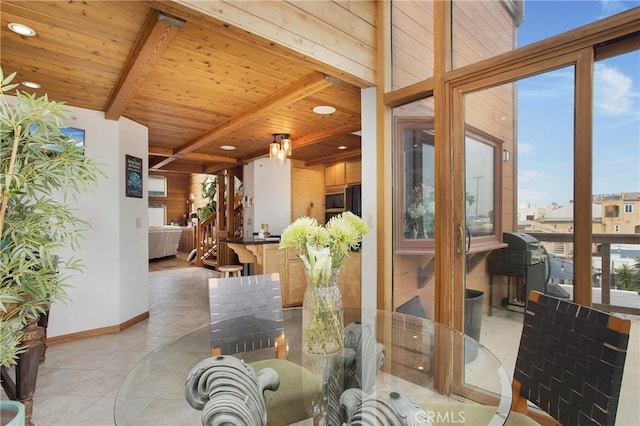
{"type": "Point", "coordinates": [195, 82]}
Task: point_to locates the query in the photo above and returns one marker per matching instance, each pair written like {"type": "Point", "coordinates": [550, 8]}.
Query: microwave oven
{"type": "Point", "coordinates": [334, 201]}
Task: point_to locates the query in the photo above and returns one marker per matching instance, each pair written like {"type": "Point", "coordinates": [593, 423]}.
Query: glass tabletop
{"type": "Point", "coordinates": [439, 372]}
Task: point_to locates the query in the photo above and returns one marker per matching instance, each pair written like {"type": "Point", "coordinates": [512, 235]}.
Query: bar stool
{"type": "Point", "coordinates": [230, 271]}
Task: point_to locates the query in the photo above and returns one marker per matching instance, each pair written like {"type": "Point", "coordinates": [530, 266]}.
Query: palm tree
{"type": "Point", "coordinates": [627, 277]}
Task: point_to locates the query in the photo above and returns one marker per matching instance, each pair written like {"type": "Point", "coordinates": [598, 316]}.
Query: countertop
{"type": "Point", "coordinates": [272, 239]}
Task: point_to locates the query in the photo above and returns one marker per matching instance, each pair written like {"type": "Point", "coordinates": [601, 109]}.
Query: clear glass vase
{"type": "Point", "coordinates": [323, 317]}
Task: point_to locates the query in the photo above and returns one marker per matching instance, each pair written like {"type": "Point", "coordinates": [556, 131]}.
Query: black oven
{"type": "Point", "coordinates": [329, 215]}
{"type": "Point", "coordinates": [334, 201]}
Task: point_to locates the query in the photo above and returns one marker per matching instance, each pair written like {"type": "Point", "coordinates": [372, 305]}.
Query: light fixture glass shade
{"type": "Point", "coordinates": [274, 148]}
{"type": "Point", "coordinates": [286, 145]}
{"type": "Point", "coordinates": [280, 148]}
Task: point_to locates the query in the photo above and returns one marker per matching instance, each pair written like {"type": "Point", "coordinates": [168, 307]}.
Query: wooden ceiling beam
{"type": "Point", "coordinates": [155, 36]}
{"type": "Point", "coordinates": [184, 168]}
{"type": "Point", "coordinates": [160, 151]}
{"type": "Point", "coordinates": [335, 158]}
{"type": "Point", "coordinates": [213, 169]}
{"type": "Point", "coordinates": [300, 89]}
{"type": "Point", "coordinates": [192, 156]}
{"type": "Point", "coordinates": [326, 134]}
{"type": "Point", "coordinates": [162, 163]}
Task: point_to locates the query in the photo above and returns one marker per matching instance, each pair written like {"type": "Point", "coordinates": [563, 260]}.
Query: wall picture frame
{"type": "Point", "coordinates": [133, 176]}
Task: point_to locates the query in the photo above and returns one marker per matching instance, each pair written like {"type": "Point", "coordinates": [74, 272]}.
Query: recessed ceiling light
{"type": "Point", "coordinates": [342, 147]}
{"type": "Point", "coordinates": [21, 29]}
{"type": "Point", "coordinates": [324, 109]}
{"type": "Point", "coordinates": [228, 147]}
{"type": "Point", "coordinates": [31, 84]}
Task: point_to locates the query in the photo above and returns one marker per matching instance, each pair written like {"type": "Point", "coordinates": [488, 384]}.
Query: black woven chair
{"type": "Point", "coordinates": [570, 361]}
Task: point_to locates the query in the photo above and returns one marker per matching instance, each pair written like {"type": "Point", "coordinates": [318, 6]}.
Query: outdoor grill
{"type": "Point", "coordinates": [524, 258]}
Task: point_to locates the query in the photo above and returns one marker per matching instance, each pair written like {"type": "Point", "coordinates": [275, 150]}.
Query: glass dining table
{"type": "Point", "coordinates": [393, 364]}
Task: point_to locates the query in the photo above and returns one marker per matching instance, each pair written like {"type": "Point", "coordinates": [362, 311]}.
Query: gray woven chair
{"type": "Point", "coordinates": [213, 385]}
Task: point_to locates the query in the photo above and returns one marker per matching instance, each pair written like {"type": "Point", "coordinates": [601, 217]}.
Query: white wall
{"type": "Point", "coordinates": [369, 198]}
{"type": "Point", "coordinates": [269, 183]}
{"type": "Point", "coordinates": [114, 284]}
{"type": "Point", "coordinates": [134, 232]}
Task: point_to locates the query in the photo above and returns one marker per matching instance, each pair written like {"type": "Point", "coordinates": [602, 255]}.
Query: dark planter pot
{"type": "Point", "coordinates": [11, 413]}
{"type": "Point", "coordinates": [473, 302]}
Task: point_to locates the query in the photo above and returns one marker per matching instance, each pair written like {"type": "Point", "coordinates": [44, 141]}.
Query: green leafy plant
{"type": "Point", "coordinates": [41, 169]}
{"type": "Point", "coordinates": [628, 277]}
{"type": "Point", "coordinates": [209, 188]}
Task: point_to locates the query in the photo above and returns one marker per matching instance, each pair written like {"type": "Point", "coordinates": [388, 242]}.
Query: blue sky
{"type": "Point", "coordinates": [546, 105]}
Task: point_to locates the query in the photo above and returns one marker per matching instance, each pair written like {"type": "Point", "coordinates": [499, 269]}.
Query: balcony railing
{"type": "Point", "coordinates": [602, 248]}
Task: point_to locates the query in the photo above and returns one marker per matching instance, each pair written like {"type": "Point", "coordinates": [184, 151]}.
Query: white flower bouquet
{"type": "Point", "coordinates": [322, 250]}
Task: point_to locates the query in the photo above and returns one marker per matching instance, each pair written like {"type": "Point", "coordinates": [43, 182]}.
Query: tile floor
{"type": "Point", "coordinates": [78, 382]}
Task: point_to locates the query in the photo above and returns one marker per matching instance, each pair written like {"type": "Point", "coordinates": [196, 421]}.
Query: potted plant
{"type": "Point", "coordinates": [41, 169]}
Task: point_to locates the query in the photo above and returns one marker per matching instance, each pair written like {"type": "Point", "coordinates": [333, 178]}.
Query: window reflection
{"type": "Point", "coordinates": [419, 182]}
{"type": "Point", "coordinates": [480, 187]}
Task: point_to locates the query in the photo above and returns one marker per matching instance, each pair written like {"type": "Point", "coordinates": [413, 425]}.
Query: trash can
{"type": "Point", "coordinates": [473, 301]}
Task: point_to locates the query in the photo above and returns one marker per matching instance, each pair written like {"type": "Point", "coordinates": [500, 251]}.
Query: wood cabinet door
{"type": "Point", "coordinates": [334, 174]}
{"type": "Point", "coordinates": [353, 172]}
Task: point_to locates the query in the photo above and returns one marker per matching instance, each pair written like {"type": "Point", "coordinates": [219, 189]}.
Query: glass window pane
{"type": "Point", "coordinates": [411, 42]}
{"type": "Point", "coordinates": [414, 209]}
{"type": "Point", "coordinates": [157, 186]}
{"type": "Point", "coordinates": [480, 187]}
{"type": "Point", "coordinates": [157, 214]}
{"type": "Point", "coordinates": [616, 180]}
{"type": "Point", "coordinates": [419, 182]}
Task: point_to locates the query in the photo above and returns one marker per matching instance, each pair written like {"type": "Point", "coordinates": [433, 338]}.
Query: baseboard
{"type": "Point", "coordinates": [66, 338]}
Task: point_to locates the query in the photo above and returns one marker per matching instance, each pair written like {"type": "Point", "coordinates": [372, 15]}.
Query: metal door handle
{"type": "Point", "coordinates": [459, 240]}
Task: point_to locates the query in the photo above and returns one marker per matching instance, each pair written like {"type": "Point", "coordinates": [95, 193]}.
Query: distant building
{"type": "Point", "coordinates": [621, 213]}
{"type": "Point", "coordinates": [611, 213]}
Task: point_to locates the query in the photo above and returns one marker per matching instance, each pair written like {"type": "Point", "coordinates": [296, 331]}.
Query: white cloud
{"type": "Point", "coordinates": [531, 175]}
{"type": "Point", "coordinates": [611, 7]}
{"type": "Point", "coordinates": [526, 148]}
{"type": "Point", "coordinates": [552, 84]}
{"type": "Point", "coordinates": [613, 90]}
{"type": "Point", "coordinates": [534, 196]}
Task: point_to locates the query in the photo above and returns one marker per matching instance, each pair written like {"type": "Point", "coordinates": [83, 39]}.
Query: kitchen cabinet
{"type": "Point", "coordinates": [353, 172]}
{"type": "Point", "coordinates": [334, 174]}
{"type": "Point", "coordinates": [307, 192]}
{"type": "Point", "coordinates": [266, 257]}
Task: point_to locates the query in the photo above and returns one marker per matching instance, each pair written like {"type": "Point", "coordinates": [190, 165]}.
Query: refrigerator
{"type": "Point", "coordinates": [354, 199]}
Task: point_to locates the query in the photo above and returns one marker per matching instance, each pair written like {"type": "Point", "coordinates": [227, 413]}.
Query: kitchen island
{"type": "Point", "coordinates": [263, 256]}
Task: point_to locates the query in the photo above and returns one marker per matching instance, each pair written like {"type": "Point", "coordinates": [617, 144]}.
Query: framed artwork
{"type": "Point", "coordinates": [133, 176]}
{"type": "Point", "coordinates": [75, 134]}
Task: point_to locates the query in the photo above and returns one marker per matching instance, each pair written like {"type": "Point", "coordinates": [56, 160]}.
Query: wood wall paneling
{"type": "Point", "coordinates": [407, 282]}
{"type": "Point", "coordinates": [480, 30]}
{"type": "Point", "coordinates": [178, 190]}
{"type": "Point", "coordinates": [343, 47]}
{"type": "Point", "coordinates": [412, 42]}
